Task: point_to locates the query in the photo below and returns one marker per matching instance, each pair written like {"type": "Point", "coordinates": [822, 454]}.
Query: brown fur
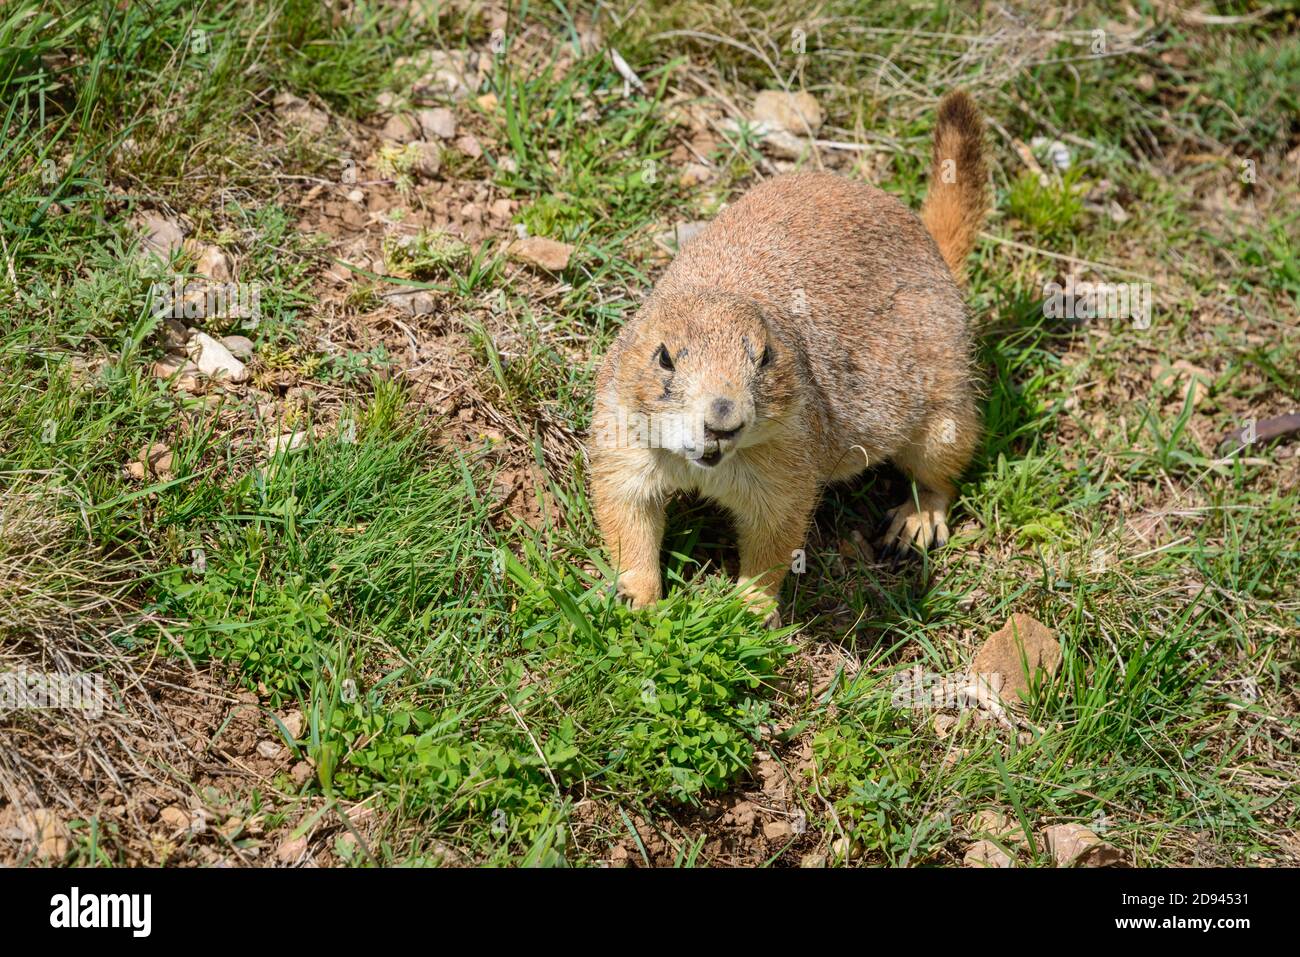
{"type": "Point", "coordinates": [958, 199]}
{"type": "Point", "coordinates": [820, 319]}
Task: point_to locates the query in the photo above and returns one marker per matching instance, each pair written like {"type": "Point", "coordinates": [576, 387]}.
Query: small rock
{"type": "Point", "coordinates": [162, 236]}
{"type": "Point", "coordinates": [155, 459]}
{"type": "Point", "coordinates": [297, 112]}
{"type": "Point", "coordinates": [428, 158]}
{"type": "Point", "coordinates": [293, 723]}
{"type": "Point", "coordinates": [176, 818]}
{"type": "Point", "coordinates": [1056, 152]}
{"type": "Point", "coordinates": [286, 442]}
{"type": "Point", "coordinates": [215, 360]}
{"type": "Point", "coordinates": [742, 815]}
{"type": "Point", "coordinates": [542, 253]}
{"type": "Point", "coordinates": [1073, 845]}
{"type": "Point", "coordinates": [213, 264]}
{"type": "Point", "coordinates": [469, 145]}
{"type": "Point", "coordinates": [797, 113]}
{"type": "Point", "coordinates": [415, 302]}
{"type": "Point", "coordinates": [241, 347]}
{"type": "Point", "coordinates": [943, 725]}
{"type": "Point", "coordinates": [447, 73]}
{"type": "Point", "coordinates": [813, 859]}
{"type": "Point", "coordinates": [988, 821]}
{"type": "Point", "coordinates": [356, 196]}
{"type": "Point", "coordinates": [986, 854]}
{"type": "Point", "coordinates": [269, 750]}
{"type": "Point", "coordinates": [302, 772]}
{"type": "Point", "coordinates": [501, 209]}
{"type": "Point", "coordinates": [996, 824]}
{"type": "Point", "coordinates": [784, 143]}
{"type": "Point", "coordinates": [845, 849]}
{"type": "Point", "coordinates": [291, 850]}
{"type": "Point", "coordinates": [44, 830]}
{"type": "Point", "coordinates": [401, 128]}
{"type": "Point", "coordinates": [1184, 375]}
{"type": "Point", "coordinates": [998, 661]}
{"type": "Point", "coordinates": [169, 365]}
{"type": "Point", "coordinates": [487, 102]}
{"type": "Point", "coordinates": [777, 830]}
{"type": "Point", "coordinates": [695, 174]}
{"type": "Point", "coordinates": [175, 334]}
{"type": "Point", "coordinates": [438, 123]}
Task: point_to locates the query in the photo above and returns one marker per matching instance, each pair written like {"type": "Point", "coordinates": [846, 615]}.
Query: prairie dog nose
{"type": "Point", "coordinates": [721, 422]}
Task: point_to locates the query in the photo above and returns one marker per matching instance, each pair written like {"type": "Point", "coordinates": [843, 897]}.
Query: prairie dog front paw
{"type": "Point", "coordinates": [639, 590]}
{"type": "Point", "coordinates": [923, 527]}
{"type": "Point", "coordinates": [764, 605]}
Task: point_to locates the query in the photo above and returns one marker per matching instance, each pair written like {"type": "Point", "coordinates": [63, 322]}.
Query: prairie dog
{"type": "Point", "coordinates": [816, 327]}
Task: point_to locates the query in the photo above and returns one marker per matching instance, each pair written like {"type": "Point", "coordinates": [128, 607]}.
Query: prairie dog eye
{"type": "Point", "coordinates": [766, 359]}
{"type": "Point", "coordinates": [665, 360]}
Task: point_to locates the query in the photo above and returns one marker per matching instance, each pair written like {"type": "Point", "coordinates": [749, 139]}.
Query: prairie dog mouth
{"type": "Point", "coordinates": [713, 450]}
{"type": "Point", "coordinates": [705, 457]}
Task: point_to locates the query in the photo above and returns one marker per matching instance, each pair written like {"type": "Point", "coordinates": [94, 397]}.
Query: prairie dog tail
{"type": "Point", "coordinates": [958, 199]}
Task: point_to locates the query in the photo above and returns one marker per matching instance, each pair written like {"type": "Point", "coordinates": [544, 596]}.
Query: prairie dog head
{"type": "Point", "coordinates": [704, 375]}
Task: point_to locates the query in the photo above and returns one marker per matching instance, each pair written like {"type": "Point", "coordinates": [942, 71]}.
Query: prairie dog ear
{"type": "Point", "coordinates": [630, 341]}
{"type": "Point", "coordinates": [771, 313]}
{"type": "Point", "coordinates": [775, 317]}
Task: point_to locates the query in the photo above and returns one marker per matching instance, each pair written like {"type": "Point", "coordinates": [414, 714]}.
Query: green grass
{"type": "Point", "coordinates": [467, 673]}
{"type": "Point", "coordinates": [1050, 209]}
